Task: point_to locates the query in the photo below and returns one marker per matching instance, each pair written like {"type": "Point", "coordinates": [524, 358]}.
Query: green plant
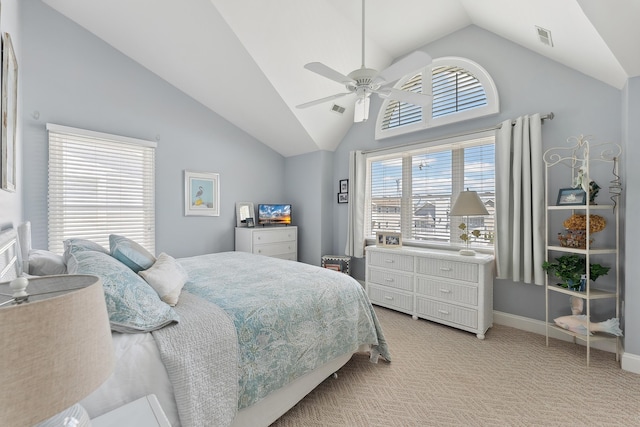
{"type": "Point", "coordinates": [571, 268]}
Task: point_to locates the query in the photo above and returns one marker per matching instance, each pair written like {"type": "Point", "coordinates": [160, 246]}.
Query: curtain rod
{"type": "Point", "coordinates": [544, 117]}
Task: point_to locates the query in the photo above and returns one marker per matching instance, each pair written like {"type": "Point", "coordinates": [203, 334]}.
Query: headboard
{"type": "Point", "coordinates": [10, 268]}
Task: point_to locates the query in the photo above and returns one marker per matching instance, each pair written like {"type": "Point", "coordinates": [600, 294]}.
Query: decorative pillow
{"type": "Point", "coordinates": [45, 263]}
{"type": "Point", "coordinates": [130, 253]}
{"type": "Point", "coordinates": [132, 304]}
{"type": "Point", "coordinates": [167, 277]}
{"type": "Point", "coordinates": [72, 246]}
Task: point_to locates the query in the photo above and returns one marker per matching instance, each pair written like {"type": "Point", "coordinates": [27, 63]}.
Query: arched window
{"type": "Point", "coordinates": [460, 90]}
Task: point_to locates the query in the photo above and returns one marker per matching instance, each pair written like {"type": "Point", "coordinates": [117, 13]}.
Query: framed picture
{"type": "Point", "coordinates": [202, 193]}
{"type": "Point", "coordinates": [388, 239]}
{"type": "Point", "coordinates": [344, 185]}
{"type": "Point", "coordinates": [9, 113]}
{"type": "Point", "coordinates": [343, 197]}
{"type": "Point", "coordinates": [244, 210]}
{"type": "Point", "coordinates": [571, 196]}
{"type": "Point", "coordinates": [250, 222]}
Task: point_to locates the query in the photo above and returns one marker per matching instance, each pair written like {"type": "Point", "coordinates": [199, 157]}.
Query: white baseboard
{"type": "Point", "coordinates": [629, 362]}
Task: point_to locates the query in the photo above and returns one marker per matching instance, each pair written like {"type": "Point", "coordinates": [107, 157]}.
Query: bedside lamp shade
{"type": "Point", "coordinates": [468, 204]}
{"type": "Point", "coordinates": [55, 349]}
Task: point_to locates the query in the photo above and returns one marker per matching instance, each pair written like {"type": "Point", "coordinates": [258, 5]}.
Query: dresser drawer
{"type": "Point", "coordinates": [393, 261]}
{"type": "Point", "coordinates": [453, 292]}
{"type": "Point", "coordinates": [391, 279]}
{"type": "Point", "coordinates": [450, 313]}
{"type": "Point", "coordinates": [390, 298]}
{"type": "Point", "coordinates": [273, 236]}
{"type": "Point", "coordinates": [274, 249]}
{"type": "Point", "coordinates": [449, 269]}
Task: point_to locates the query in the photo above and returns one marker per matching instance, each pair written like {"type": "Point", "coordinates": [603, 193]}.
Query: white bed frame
{"type": "Point", "coordinates": [14, 251]}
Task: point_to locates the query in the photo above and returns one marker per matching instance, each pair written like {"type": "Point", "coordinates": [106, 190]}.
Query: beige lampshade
{"type": "Point", "coordinates": [55, 349]}
{"type": "Point", "coordinates": [468, 203]}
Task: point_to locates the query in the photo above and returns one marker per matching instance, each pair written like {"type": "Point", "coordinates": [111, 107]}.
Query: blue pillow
{"type": "Point", "coordinates": [132, 304]}
{"type": "Point", "coordinates": [130, 253]}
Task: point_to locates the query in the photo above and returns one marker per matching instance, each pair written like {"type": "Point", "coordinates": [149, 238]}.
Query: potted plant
{"type": "Point", "coordinates": [571, 268]}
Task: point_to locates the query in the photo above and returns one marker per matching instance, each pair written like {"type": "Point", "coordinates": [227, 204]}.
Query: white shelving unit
{"type": "Point", "coordinates": [580, 158]}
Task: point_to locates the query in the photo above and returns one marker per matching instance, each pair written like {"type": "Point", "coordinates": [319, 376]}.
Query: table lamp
{"type": "Point", "coordinates": [55, 346]}
{"type": "Point", "coordinates": [468, 204]}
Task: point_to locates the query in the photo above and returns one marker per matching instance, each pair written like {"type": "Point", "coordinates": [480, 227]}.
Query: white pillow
{"type": "Point", "coordinates": [167, 277]}
{"type": "Point", "coordinates": [45, 263]}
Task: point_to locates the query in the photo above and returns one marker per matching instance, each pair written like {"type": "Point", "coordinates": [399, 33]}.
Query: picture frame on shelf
{"type": "Point", "coordinates": [571, 197]}
{"type": "Point", "coordinates": [250, 223]}
{"type": "Point", "coordinates": [343, 197]}
{"type": "Point", "coordinates": [201, 193]}
{"type": "Point", "coordinates": [389, 239]}
{"type": "Point", "coordinates": [344, 186]}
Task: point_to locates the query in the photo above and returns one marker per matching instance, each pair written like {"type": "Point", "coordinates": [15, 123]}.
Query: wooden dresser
{"type": "Point", "coordinates": [277, 242]}
{"type": "Point", "coordinates": [437, 285]}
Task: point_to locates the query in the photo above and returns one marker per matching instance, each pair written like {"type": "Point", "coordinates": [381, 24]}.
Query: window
{"type": "Point", "coordinates": [100, 184]}
{"type": "Point", "coordinates": [412, 191]}
{"type": "Point", "coordinates": [460, 90]}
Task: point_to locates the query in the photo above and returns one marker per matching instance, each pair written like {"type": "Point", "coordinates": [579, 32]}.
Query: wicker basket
{"type": "Point", "coordinates": [574, 239]}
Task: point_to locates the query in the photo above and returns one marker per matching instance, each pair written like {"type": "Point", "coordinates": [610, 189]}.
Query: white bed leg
{"type": "Point", "coordinates": [335, 375]}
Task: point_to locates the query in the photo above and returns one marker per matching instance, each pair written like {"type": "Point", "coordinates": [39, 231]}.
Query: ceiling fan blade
{"type": "Point", "coordinates": [322, 100]}
{"type": "Point", "coordinates": [405, 96]}
{"type": "Point", "coordinates": [412, 62]}
{"type": "Point", "coordinates": [330, 73]}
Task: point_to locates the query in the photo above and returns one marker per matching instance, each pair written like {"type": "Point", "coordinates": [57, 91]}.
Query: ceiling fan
{"type": "Point", "coordinates": [365, 81]}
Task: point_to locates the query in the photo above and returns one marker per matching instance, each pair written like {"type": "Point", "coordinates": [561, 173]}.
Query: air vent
{"type": "Point", "coordinates": [337, 109]}
{"type": "Point", "coordinates": [545, 36]}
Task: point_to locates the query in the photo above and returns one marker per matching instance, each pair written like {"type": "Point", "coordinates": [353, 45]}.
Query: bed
{"type": "Point", "coordinates": [248, 337]}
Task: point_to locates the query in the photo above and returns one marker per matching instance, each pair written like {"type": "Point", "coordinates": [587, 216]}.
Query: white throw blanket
{"type": "Point", "coordinates": [200, 354]}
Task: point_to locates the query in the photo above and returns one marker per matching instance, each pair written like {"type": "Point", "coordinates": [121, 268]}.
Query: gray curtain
{"type": "Point", "coordinates": [357, 188]}
{"type": "Point", "coordinates": [520, 233]}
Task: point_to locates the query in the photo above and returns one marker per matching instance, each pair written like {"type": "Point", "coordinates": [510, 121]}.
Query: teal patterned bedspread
{"type": "Point", "coordinates": [291, 317]}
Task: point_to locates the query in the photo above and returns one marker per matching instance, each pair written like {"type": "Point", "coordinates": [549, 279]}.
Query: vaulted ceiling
{"type": "Point", "coordinates": [244, 59]}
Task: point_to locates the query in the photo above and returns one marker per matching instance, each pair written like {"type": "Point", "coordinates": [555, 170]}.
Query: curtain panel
{"type": "Point", "coordinates": [357, 189]}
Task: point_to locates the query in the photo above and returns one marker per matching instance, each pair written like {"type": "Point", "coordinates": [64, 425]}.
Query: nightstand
{"type": "Point", "coordinates": [144, 412]}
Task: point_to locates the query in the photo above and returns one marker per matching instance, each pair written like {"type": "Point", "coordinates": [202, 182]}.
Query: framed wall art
{"type": "Point", "coordinates": [9, 113]}
{"type": "Point", "coordinates": [571, 196]}
{"type": "Point", "coordinates": [344, 185]}
{"type": "Point", "coordinates": [343, 197]}
{"type": "Point", "coordinates": [202, 193]}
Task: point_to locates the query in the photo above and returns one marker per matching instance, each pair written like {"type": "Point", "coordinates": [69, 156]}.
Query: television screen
{"type": "Point", "coordinates": [274, 213]}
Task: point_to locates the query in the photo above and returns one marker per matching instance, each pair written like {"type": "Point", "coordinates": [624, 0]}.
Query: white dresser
{"type": "Point", "coordinates": [277, 242]}
{"type": "Point", "coordinates": [437, 285]}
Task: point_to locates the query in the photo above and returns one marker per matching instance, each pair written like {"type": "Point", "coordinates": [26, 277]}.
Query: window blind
{"type": "Point", "coordinates": [100, 184]}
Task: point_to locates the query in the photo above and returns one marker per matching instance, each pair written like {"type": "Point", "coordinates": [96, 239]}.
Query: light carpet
{"type": "Point", "coordinates": [442, 376]}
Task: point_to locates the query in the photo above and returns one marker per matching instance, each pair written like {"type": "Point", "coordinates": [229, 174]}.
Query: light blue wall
{"type": "Point", "coordinates": [527, 83]}
{"type": "Point", "coordinates": [11, 202]}
{"type": "Point", "coordinates": [72, 78]}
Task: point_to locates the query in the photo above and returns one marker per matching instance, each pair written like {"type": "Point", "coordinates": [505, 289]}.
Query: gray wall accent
{"type": "Point", "coordinates": [527, 83]}
{"type": "Point", "coordinates": [74, 79]}
{"type": "Point", "coordinates": [11, 202]}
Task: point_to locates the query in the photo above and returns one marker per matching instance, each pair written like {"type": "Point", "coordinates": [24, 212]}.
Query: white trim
{"type": "Point", "coordinates": [51, 127]}
{"type": "Point", "coordinates": [630, 362]}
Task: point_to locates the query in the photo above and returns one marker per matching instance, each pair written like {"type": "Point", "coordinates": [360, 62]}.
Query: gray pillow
{"type": "Point", "coordinates": [130, 253]}
{"type": "Point", "coordinates": [132, 304]}
{"type": "Point", "coordinates": [45, 263]}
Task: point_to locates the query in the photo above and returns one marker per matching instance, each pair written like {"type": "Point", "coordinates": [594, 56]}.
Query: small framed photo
{"type": "Point", "coordinates": [343, 197]}
{"type": "Point", "coordinates": [344, 185]}
{"type": "Point", "coordinates": [250, 222]}
{"type": "Point", "coordinates": [388, 239]}
{"type": "Point", "coordinates": [201, 193]}
{"type": "Point", "coordinates": [571, 196]}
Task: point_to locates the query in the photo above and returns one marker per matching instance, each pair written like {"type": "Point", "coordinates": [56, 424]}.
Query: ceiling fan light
{"type": "Point", "coordinates": [361, 113]}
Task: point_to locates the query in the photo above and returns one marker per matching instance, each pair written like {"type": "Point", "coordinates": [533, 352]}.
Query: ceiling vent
{"type": "Point", "coordinates": [337, 109]}
{"type": "Point", "coordinates": [544, 36]}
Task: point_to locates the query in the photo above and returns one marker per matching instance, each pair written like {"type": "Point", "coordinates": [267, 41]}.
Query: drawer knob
{"type": "Point", "coordinates": [445, 268]}
{"type": "Point", "coordinates": [259, 237]}
{"type": "Point", "coordinates": [445, 291]}
{"type": "Point", "coordinates": [390, 261]}
{"type": "Point", "coordinates": [389, 279]}
{"type": "Point", "coordinates": [388, 298]}
{"type": "Point", "coordinates": [259, 251]}
{"type": "Point", "coordinates": [443, 312]}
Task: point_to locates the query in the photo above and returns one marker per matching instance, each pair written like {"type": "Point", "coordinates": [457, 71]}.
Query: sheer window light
{"type": "Point", "coordinates": [100, 184]}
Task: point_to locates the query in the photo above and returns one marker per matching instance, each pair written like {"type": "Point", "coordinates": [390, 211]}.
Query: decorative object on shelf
{"type": "Point", "coordinates": [574, 239]}
{"type": "Point", "coordinates": [244, 210]}
{"type": "Point", "coordinates": [344, 185]}
{"type": "Point", "coordinates": [615, 185]}
{"type": "Point", "coordinates": [343, 197]}
{"type": "Point", "coordinates": [577, 305]}
{"type": "Point", "coordinates": [571, 270]}
{"type": "Point", "coordinates": [9, 114]}
{"type": "Point", "coordinates": [201, 193]}
{"type": "Point", "coordinates": [580, 325]}
{"type": "Point", "coordinates": [576, 234]}
{"type": "Point", "coordinates": [571, 196]}
{"type": "Point", "coordinates": [55, 346]}
{"type": "Point", "coordinates": [389, 239]}
{"type": "Point", "coordinates": [593, 192]}
{"type": "Point", "coordinates": [250, 223]}
{"type": "Point", "coordinates": [468, 204]}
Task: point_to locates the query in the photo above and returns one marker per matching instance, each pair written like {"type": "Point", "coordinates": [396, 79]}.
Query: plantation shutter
{"type": "Point", "coordinates": [401, 113]}
{"type": "Point", "coordinates": [100, 184]}
{"type": "Point", "coordinates": [454, 89]}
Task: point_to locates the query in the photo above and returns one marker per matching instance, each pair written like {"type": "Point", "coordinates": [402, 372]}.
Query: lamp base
{"type": "Point", "coordinates": [467, 252]}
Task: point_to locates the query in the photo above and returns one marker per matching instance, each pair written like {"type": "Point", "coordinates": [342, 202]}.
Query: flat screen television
{"type": "Point", "coordinates": [274, 213]}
